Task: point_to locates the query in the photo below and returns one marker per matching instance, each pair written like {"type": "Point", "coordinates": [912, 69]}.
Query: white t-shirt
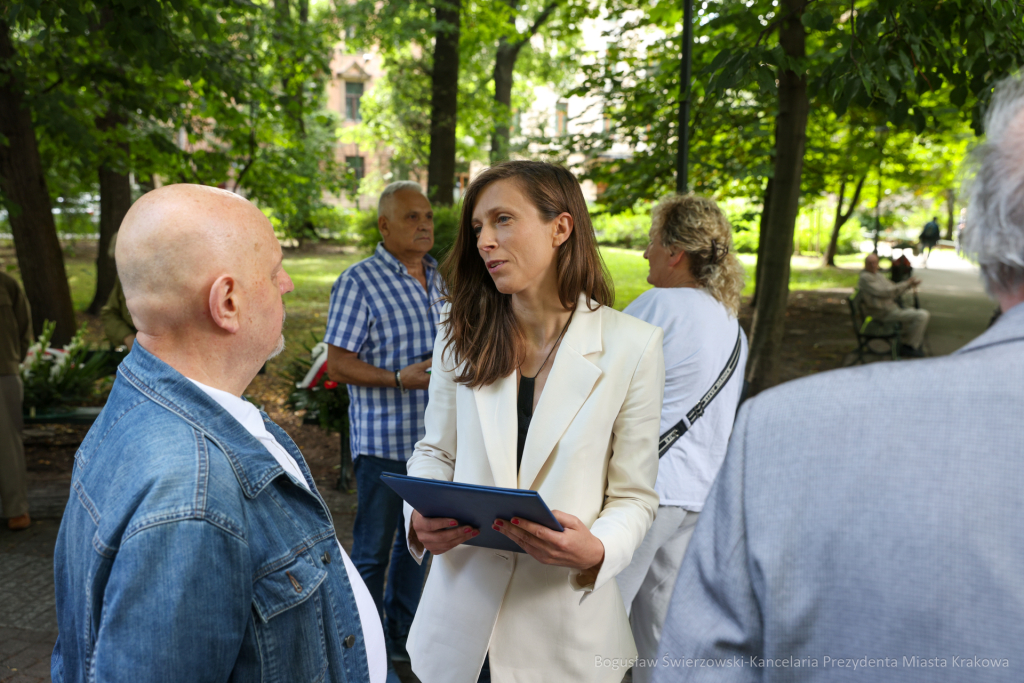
{"type": "Point", "coordinates": [373, 633]}
{"type": "Point", "coordinates": [700, 334]}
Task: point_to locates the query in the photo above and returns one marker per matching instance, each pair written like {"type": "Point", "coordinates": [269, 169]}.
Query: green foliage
{"type": "Point", "coordinates": [446, 229]}
{"type": "Point", "coordinates": [909, 65]}
{"type": "Point", "coordinates": [55, 379]}
{"type": "Point", "coordinates": [397, 110]}
{"type": "Point", "coordinates": [325, 403]}
{"type": "Point", "coordinates": [222, 94]}
{"type": "Point", "coordinates": [628, 229]}
{"type": "Point", "coordinates": [365, 224]}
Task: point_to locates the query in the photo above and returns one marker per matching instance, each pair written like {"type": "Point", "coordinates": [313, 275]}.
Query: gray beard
{"type": "Point", "coordinates": [280, 342]}
{"type": "Point", "coordinates": [277, 349]}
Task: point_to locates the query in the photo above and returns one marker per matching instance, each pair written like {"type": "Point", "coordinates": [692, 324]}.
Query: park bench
{"type": "Point", "coordinates": [868, 330]}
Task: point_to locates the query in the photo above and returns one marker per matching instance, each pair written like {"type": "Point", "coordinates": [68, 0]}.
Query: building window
{"type": "Point", "coordinates": [358, 166]}
{"type": "Point", "coordinates": [561, 118]}
{"type": "Point", "coordinates": [353, 92]}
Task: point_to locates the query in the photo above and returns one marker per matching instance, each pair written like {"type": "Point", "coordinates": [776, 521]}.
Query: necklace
{"type": "Point", "coordinates": [553, 347]}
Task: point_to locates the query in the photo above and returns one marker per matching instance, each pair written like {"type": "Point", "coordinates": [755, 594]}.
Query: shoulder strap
{"type": "Point", "coordinates": [672, 435]}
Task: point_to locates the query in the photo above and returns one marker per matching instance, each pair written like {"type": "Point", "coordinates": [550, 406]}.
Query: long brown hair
{"type": "Point", "coordinates": [483, 333]}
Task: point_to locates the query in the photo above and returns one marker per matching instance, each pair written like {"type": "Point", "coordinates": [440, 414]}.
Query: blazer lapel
{"type": "Point", "coordinates": [568, 385]}
{"type": "Point", "coordinates": [496, 407]}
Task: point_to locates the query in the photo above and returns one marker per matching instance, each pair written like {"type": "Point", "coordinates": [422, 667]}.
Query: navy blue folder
{"type": "Point", "coordinates": [476, 506]}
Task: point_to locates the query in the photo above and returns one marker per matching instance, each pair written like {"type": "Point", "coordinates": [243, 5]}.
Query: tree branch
{"type": "Point", "coordinates": [544, 15]}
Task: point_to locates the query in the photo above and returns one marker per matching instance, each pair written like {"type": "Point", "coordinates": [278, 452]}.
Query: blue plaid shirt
{"type": "Point", "coordinates": [383, 314]}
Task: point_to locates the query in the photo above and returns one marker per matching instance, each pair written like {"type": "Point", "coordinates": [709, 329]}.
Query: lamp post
{"type": "Point", "coordinates": [880, 132]}
{"type": "Point", "coordinates": [682, 154]}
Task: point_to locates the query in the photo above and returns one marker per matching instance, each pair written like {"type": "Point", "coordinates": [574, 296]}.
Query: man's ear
{"type": "Point", "coordinates": [382, 225]}
{"type": "Point", "coordinates": [224, 307]}
{"type": "Point", "coordinates": [562, 229]}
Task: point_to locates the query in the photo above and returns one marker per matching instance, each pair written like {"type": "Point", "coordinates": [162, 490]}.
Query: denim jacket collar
{"type": "Point", "coordinates": [253, 465]}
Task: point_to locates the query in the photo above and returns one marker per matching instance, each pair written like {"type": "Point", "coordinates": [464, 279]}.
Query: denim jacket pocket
{"type": "Point", "coordinates": [290, 624]}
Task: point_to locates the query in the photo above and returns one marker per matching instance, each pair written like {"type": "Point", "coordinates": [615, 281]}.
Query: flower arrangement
{"type": "Point", "coordinates": [324, 401]}
{"type": "Point", "coordinates": [57, 378]}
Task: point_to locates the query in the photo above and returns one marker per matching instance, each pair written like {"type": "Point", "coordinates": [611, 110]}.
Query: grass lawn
{"type": "Point", "coordinates": [313, 275]}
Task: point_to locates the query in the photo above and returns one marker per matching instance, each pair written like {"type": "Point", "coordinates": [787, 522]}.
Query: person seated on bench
{"type": "Point", "coordinates": [880, 296]}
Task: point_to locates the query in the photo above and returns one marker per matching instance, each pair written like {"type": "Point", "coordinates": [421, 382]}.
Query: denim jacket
{"type": "Point", "coordinates": [187, 554]}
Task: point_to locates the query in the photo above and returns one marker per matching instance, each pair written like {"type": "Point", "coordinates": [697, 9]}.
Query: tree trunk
{"type": "Point", "coordinates": [683, 123]}
{"type": "Point", "coordinates": [28, 203]}
{"type": "Point", "coordinates": [773, 288]}
{"type": "Point", "coordinates": [841, 218]}
{"type": "Point", "coordinates": [444, 103]}
{"type": "Point", "coordinates": [504, 66]}
{"type": "Point", "coordinates": [762, 230]}
{"type": "Point", "coordinates": [115, 200]}
{"type": "Point", "coordinates": [951, 209]}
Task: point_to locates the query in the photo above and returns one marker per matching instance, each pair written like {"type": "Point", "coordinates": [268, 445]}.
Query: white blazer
{"type": "Point", "coordinates": [591, 451]}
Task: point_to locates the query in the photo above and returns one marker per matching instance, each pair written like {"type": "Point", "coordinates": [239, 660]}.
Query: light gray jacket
{"type": "Point", "coordinates": [866, 518]}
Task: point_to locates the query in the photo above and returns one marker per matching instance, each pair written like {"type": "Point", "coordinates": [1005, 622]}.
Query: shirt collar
{"type": "Point", "coordinates": [429, 262]}
{"type": "Point", "coordinates": [246, 413]}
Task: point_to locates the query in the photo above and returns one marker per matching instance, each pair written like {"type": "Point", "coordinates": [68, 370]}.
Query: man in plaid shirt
{"type": "Point", "coordinates": [381, 326]}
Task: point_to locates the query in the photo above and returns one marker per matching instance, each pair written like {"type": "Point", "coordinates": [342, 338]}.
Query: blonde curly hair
{"type": "Point", "coordinates": [697, 226]}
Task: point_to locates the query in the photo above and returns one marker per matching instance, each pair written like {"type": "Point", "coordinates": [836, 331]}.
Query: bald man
{"type": "Point", "coordinates": [195, 546]}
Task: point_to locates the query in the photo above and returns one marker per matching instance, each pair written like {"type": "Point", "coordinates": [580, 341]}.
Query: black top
{"type": "Point", "coordinates": [524, 411]}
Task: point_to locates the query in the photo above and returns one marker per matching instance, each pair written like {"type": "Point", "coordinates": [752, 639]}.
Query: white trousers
{"type": "Point", "coordinates": [646, 584]}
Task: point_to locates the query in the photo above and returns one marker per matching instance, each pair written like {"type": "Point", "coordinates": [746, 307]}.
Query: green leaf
{"type": "Point", "coordinates": [907, 65]}
{"type": "Point", "coordinates": [720, 59]}
{"type": "Point", "coordinates": [958, 96]}
{"type": "Point", "coordinates": [766, 80]}
{"type": "Point", "coordinates": [850, 91]}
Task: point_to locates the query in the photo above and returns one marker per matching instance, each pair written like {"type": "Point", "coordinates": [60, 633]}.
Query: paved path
{"type": "Point", "coordinates": [952, 292]}
{"type": "Point", "coordinates": [28, 621]}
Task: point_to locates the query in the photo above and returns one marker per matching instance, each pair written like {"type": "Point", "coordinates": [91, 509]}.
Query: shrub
{"type": "Point", "coordinates": [627, 229]}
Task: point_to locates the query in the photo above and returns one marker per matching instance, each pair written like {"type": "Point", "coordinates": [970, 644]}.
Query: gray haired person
{"type": "Point", "coordinates": [381, 325]}
{"type": "Point", "coordinates": [822, 547]}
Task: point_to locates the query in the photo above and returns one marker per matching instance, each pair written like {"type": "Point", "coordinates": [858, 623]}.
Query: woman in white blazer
{"type": "Point", "coordinates": [537, 384]}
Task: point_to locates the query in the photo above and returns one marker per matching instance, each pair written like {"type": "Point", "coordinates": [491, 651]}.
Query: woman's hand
{"type": "Point", "coordinates": [438, 534]}
{"type": "Point", "coordinates": [575, 547]}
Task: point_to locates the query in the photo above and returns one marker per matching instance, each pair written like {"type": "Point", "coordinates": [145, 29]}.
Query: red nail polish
{"type": "Point", "coordinates": [515, 520]}
{"type": "Point", "coordinates": [467, 530]}
{"type": "Point", "coordinates": [495, 527]}
{"type": "Point", "coordinates": [476, 533]}
{"type": "Point", "coordinates": [453, 523]}
{"type": "Point", "coordinates": [499, 523]}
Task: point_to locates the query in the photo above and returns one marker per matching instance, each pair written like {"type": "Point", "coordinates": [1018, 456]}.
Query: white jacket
{"type": "Point", "coordinates": [591, 451]}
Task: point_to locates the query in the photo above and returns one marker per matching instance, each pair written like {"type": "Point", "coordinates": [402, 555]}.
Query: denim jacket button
{"type": "Point", "coordinates": [326, 558]}
{"type": "Point", "coordinates": [349, 641]}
